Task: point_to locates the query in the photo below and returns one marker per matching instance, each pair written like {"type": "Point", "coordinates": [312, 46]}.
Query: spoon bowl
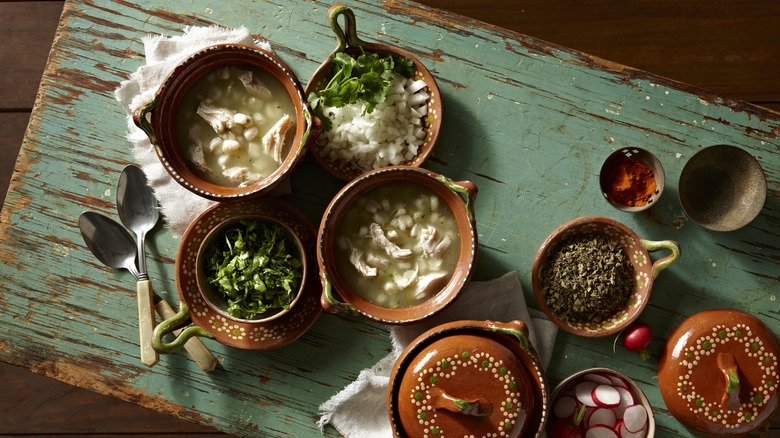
{"type": "Point", "coordinates": [108, 241]}
{"type": "Point", "coordinates": [137, 209]}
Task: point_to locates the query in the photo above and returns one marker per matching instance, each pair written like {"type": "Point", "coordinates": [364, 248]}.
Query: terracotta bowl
{"type": "Point", "coordinates": [159, 117]}
{"type": "Point", "coordinates": [642, 156]}
{"type": "Point", "coordinates": [459, 198]}
{"type": "Point", "coordinates": [349, 43]}
{"type": "Point", "coordinates": [722, 188]}
{"type": "Point", "coordinates": [644, 269]}
{"type": "Point", "coordinates": [600, 376]}
{"type": "Point", "coordinates": [718, 373]}
{"type": "Point", "coordinates": [469, 378]}
{"type": "Point", "coordinates": [207, 310]}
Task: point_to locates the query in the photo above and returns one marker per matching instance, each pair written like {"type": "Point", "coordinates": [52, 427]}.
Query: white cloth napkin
{"type": "Point", "coordinates": [360, 409]}
{"type": "Point", "coordinates": [178, 205]}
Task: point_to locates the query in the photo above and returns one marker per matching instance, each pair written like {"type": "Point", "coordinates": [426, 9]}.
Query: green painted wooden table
{"type": "Point", "coordinates": [530, 123]}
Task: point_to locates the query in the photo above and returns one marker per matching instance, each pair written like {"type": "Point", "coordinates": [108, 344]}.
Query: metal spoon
{"type": "Point", "coordinates": [114, 247]}
{"type": "Point", "coordinates": [138, 210]}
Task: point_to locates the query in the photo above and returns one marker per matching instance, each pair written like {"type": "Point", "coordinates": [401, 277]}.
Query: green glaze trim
{"type": "Point", "coordinates": [469, 197]}
{"type": "Point", "coordinates": [350, 39]}
{"type": "Point", "coordinates": [327, 290]}
{"type": "Point", "coordinates": [139, 118]}
{"type": "Point", "coordinates": [667, 261]}
{"type": "Point", "coordinates": [733, 384]}
{"type": "Point", "coordinates": [521, 338]}
{"type": "Point", "coordinates": [170, 325]}
{"type": "Point", "coordinates": [462, 405]}
{"type": "Point", "coordinates": [307, 117]}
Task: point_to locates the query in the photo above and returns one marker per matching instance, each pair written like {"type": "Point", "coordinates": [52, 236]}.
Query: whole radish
{"type": "Point", "coordinates": [637, 337]}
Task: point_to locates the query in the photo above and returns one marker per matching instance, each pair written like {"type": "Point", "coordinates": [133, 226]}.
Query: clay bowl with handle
{"type": "Point", "coordinates": [345, 289]}
{"type": "Point", "coordinates": [160, 117]}
{"type": "Point", "coordinates": [349, 43]}
{"type": "Point", "coordinates": [643, 272]}
{"type": "Point", "coordinates": [207, 310]}
{"type": "Point", "coordinates": [469, 378]}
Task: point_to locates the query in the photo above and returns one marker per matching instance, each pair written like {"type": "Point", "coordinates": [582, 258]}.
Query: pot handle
{"type": "Point", "coordinates": [180, 319]}
{"type": "Point", "coordinates": [517, 329]}
{"type": "Point", "coordinates": [329, 301]}
{"type": "Point", "coordinates": [348, 36]}
{"type": "Point", "coordinates": [200, 354]}
{"type": "Point", "coordinates": [140, 120]}
{"type": "Point", "coordinates": [467, 189]}
{"type": "Point", "coordinates": [661, 264]}
{"type": "Point", "coordinates": [313, 128]}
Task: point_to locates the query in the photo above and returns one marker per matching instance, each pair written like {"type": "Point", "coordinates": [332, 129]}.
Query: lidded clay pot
{"type": "Point", "coordinates": [718, 373]}
{"type": "Point", "coordinates": [469, 378]}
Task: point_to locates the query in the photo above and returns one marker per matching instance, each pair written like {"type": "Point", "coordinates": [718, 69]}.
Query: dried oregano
{"type": "Point", "coordinates": [587, 278]}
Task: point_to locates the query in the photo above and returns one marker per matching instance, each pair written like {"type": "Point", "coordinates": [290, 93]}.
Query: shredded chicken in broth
{"type": "Point", "coordinates": [233, 125]}
{"type": "Point", "coordinates": [397, 245]}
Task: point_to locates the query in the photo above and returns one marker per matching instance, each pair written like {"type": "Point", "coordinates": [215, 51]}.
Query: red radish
{"type": "Point", "coordinates": [601, 431]}
{"type": "Point", "coordinates": [606, 396]}
{"type": "Point", "coordinates": [624, 433]}
{"type": "Point", "coordinates": [626, 400]}
{"type": "Point", "coordinates": [637, 337]}
{"type": "Point", "coordinates": [564, 429]}
{"type": "Point", "coordinates": [617, 381]}
{"type": "Point", "coordinates": [583, 392]}
{"type": "Point", "coordinates": [565, 406]}
{"type": "Point", "coordinates": [600, 379]}
{"type": "Point", "coordinates": [635, 418]}
{"type": "Point", "coordinates": [602, 416]}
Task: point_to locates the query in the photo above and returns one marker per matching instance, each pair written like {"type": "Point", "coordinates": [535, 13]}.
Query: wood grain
{"type": "Point", "coordinates": [685, 44]}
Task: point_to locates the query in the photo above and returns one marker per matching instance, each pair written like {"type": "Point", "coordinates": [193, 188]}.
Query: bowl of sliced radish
{"type": "Point", "coordinates": [600, 403]}
{"type": "Point", "coordinates": [379, 105]}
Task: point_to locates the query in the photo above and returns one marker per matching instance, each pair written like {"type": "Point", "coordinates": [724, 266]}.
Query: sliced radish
{"type": "Point", "coordinates": [564, 429]}
{"type": "Point", "coordinates": [599, 378]}
{"type": "Point", "coordinates": [618, 381]}
{"type": "Point", "coordinates": [634, 418]}
{"type": "Point", "coordinates": [606, 396]}
{"type": "Point", "coordinates": [601, 431]}
{"type": "Point", "coordinates": [603, 416]}
{"type": "Point", "coordinates": [565, 406]}
{"type": "Point", "coordinates": [626, 400]}
{"type": "Point", "coordinates": [624, 433]}
{"type": "Point", "coordinates": [583, 392]}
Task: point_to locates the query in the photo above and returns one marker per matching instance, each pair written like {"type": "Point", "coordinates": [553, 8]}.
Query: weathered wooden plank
{"type": "Point", "coordinates": [516, 109]}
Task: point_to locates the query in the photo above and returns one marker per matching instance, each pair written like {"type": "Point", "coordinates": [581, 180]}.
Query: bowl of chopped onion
{"type": "Point", "coordinates": [379, 105]}
{"type": "Point", "coordinates": [246, 276]}
{"type": "Point", "coordinates": [397, 245]}
{"type": "Point", "coordinates": [230, 121]}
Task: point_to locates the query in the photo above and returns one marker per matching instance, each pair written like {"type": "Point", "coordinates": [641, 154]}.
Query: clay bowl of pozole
{"type": "Point", "coordinates": [397, 245]}
{"type": "Point", "coordinates": [593, 276]}
{"type": "Point", "coordinates": [230, 121]}
{"type": "Point", "coordinates": [393, 120]}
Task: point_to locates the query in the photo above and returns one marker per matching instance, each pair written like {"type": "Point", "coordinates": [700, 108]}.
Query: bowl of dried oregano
{"type": "Point", "coordinates": [593, 276]}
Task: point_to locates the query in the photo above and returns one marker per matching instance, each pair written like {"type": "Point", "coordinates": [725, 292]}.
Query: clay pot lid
{"type": "Point", "coordinates": [718, 373]}
{"type": "Point", "coordinates": [468, 383]}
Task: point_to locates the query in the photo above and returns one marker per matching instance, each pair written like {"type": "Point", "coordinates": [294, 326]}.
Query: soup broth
{"type": "Point", "coordinates": [235, 125]}
{"type": "Point", "coordinates": [397, 245]}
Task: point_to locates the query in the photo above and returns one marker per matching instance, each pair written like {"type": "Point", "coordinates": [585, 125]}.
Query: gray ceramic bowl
{"type": "Point", "coordinates": [722, 188]}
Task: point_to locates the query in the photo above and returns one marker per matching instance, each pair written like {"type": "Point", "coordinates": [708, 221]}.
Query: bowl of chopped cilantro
{"type": "Point", "coordinates": [246, 276]}
{"type": "Point", "coordinates": [378, 104]}
{"type": "Point", "coordinates": [593, 276]}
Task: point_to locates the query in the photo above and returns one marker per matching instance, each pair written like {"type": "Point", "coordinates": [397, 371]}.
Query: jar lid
{"type": "Point", "coordinates": [718, 373]}
{"type": "Point", "coordinates": [469, 382]}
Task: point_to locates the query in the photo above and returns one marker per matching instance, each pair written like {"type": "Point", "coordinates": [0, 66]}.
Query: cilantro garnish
{"type": "Point", "coordinates": [366, 78]}
{"type": "Point", "coordinates": [255, 268]}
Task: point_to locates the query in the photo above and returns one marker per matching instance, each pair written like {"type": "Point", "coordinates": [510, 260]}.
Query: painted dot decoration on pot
{"type": "Point", "coordinates": [740, 339]}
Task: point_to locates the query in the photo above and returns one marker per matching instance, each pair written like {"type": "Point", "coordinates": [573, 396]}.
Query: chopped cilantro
{"type": "Point", "coordinates": [366, 78]}
{"type": "Point", "coordinates": [255, 267]}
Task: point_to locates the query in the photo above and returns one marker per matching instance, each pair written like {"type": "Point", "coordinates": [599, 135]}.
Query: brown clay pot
{"type": "Point", "coordinates": [718, 373]}
{"type": "Point", "coordinates": [158, 118]}
{"type": "Point", "coordinates": [337, 295]}
{"type": "Point", "coordinates": [208, 312]}
{"type": "Point", "coordinates": [637, 249]}
{"type": "Point", "coordinates": [349, 43]}
{"type": "Point", "coordinates": [469, 378]}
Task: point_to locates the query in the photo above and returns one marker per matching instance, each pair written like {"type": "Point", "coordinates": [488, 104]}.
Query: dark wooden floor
{"type": "Point", "coordinates": [731, 48]}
